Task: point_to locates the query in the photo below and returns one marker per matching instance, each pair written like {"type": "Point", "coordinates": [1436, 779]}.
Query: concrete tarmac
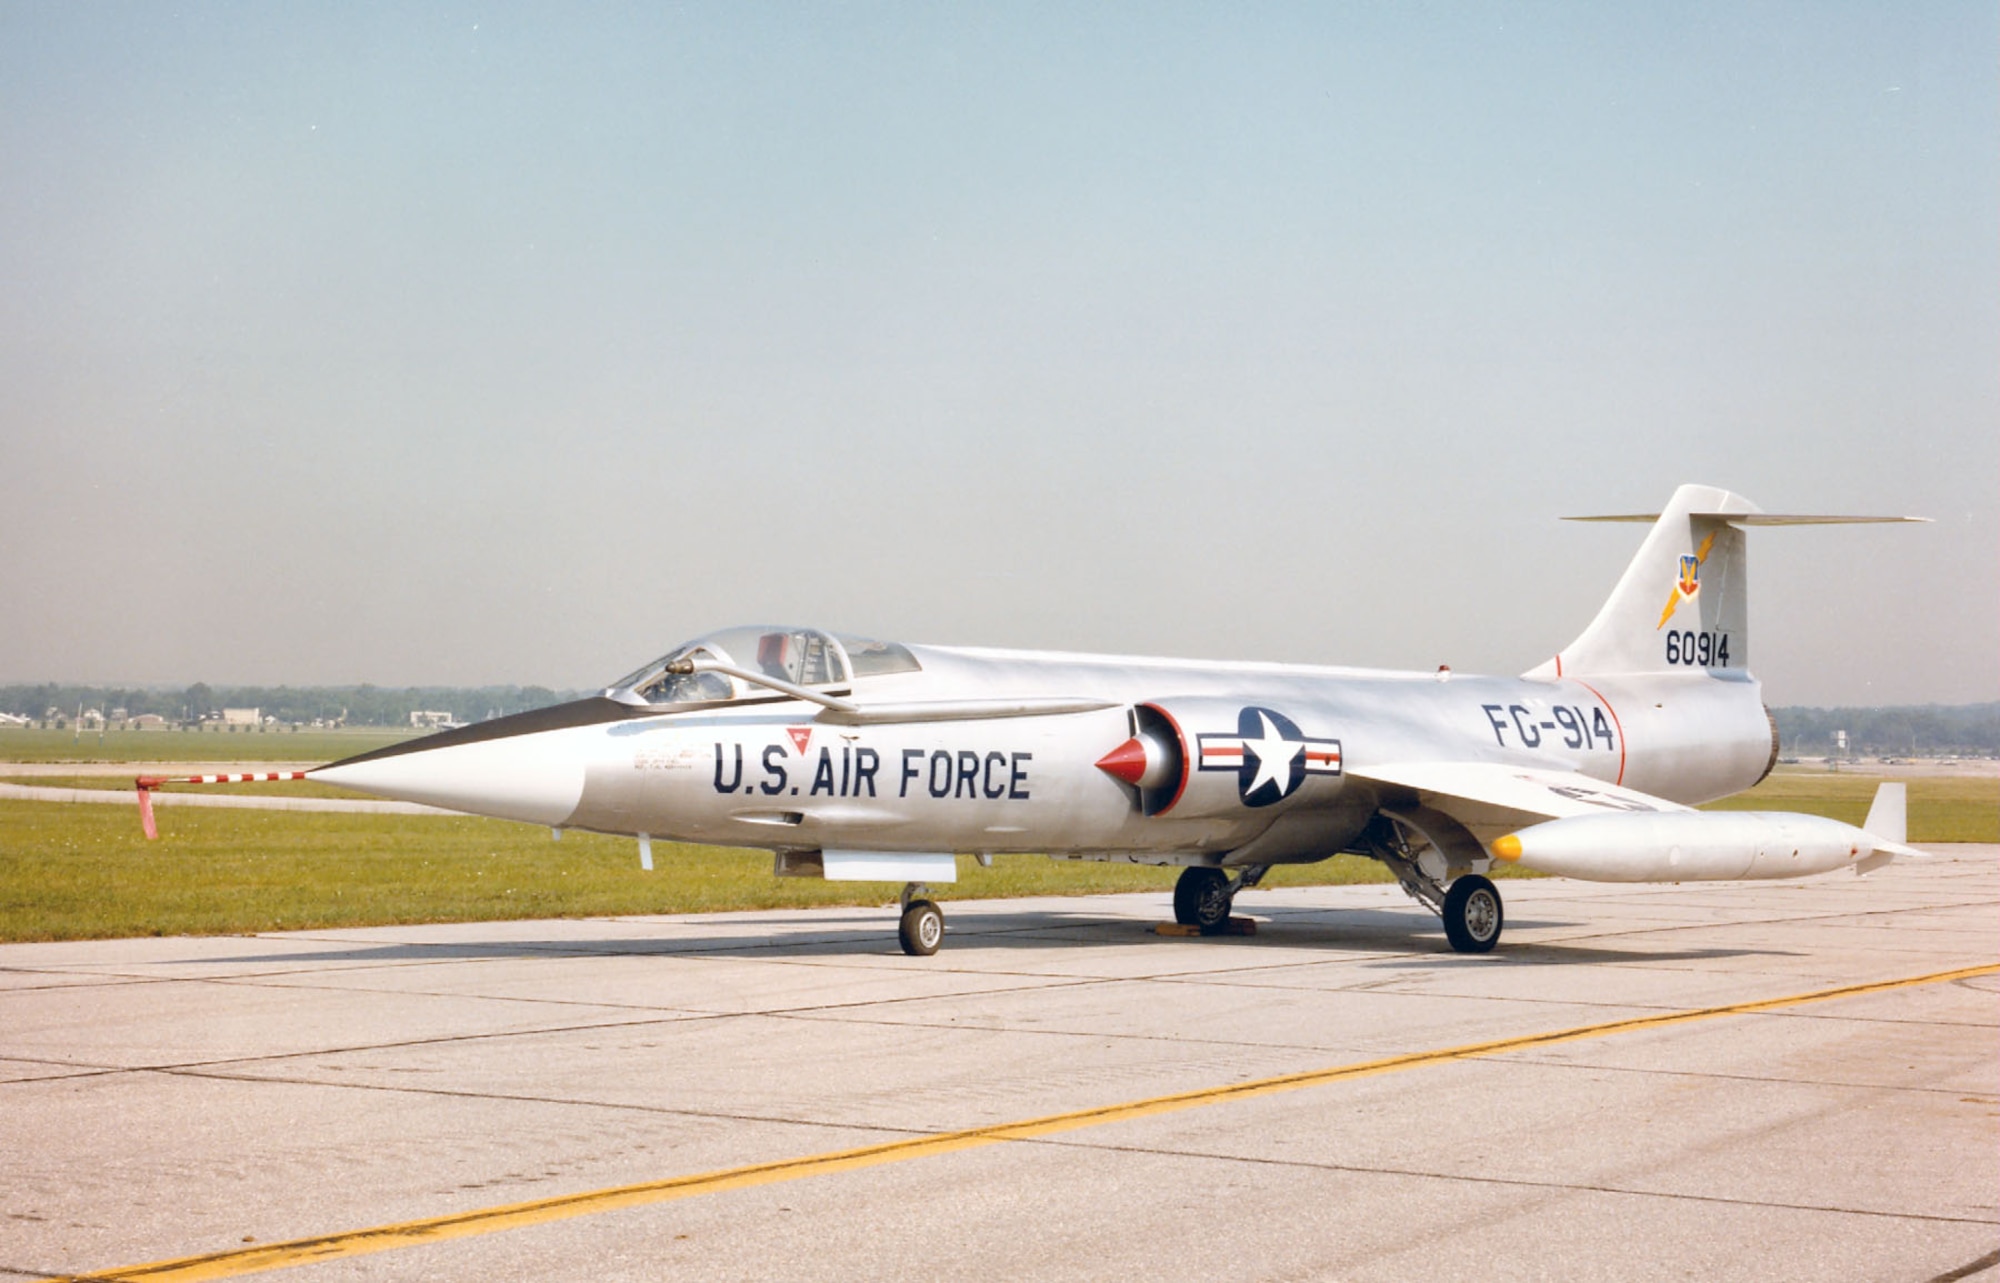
{"type": "Point", "coordinates": [1593, 1101]}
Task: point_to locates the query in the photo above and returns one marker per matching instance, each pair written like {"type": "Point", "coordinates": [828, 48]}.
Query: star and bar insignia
{"type": "Point", "coordinates": [1270, 755]}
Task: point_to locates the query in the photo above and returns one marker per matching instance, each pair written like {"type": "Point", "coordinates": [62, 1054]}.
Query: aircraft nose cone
{"type": "Point", "coordinates": [1127, 762]}
{"type": "Point", "coordinates": [537, 779]}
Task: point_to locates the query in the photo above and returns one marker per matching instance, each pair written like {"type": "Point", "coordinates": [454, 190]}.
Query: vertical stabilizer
{"type": "Point", "coordinates": [1888, 817]}
{"type": "Point", "coordinates": [1682, 605]}
{"type": "Point", "coordinates": [1887, 824]}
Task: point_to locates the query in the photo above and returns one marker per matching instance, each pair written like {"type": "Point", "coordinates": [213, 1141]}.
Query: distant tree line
{"type": "Point", "coordinates": [1928, 730]}
{"type": "Point", "coordinates": [302, 705]}
{"type": "Point", "coordinates": [1925, 730]}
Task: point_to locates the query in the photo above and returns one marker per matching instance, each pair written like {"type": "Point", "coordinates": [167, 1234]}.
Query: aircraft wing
{"type": "Point", "coordinates": [1488, 797]}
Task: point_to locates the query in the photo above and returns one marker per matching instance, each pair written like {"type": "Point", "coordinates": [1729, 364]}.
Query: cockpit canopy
{"type": "Point", "coordinates": [801, 656]}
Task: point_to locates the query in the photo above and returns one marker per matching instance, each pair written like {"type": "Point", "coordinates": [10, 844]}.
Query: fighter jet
{"type": "Point", "coordinates": [853, 759]}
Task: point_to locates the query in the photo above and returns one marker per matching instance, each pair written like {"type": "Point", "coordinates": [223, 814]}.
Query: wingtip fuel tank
{"type": "Point", "coordinates": [1691, 846]}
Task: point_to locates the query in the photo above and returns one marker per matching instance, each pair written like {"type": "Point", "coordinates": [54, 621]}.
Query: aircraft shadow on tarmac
{"type": "Point", "coordinates": [1408, 939]}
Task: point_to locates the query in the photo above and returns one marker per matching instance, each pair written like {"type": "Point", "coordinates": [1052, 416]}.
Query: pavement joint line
{"type": "Point", "coordinates": [1970, 1268]}
{"type": "Point", "coordinates": [1600, 1067]}
{"type": "Point", "coordinates": [711, 1115]}
{"type": "Point", "coordinates": [235, 1262]}
{"type": "Point", "coordinates": [684, 1014]}
{"type": "Point", "coordinates": [781, 1120]}
{"type": "Point", "coordinates": [188, 1066]}
{"type": "Point", "coordinates": [1725, 924]}
{"type": "Point", "coordinates": [1028, 984]}
{"type": "Point", "coordinates": [678, 1018]}
{"type": "Point", "coordinates": [1577, 1187]}
{"type": "Point", "coordinates": [1103, 1035]}
{"type": "Point", "coordinates": [66, 1071]}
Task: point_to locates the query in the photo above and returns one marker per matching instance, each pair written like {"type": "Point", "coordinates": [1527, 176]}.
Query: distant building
{"type": "Point", "coordinates": [242, 716]}
{"type": "Point", "coordinates": [91, 718]}
{"type": "Point", "coordinates": [149, 722]}
{"type": "Point", "coordinates": [431, 719]}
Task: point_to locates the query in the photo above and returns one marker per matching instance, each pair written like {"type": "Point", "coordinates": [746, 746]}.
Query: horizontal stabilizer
{"type": "Point", "coordinates": [1760, 518]}
{"type": "Point", "coordinates": [1683, 604]}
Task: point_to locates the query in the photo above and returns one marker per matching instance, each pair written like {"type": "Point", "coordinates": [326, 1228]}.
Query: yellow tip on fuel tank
{"type": "Point", "coordinates": [1507, 848]}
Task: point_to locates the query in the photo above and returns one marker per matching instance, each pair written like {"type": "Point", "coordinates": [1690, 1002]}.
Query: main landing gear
{"type": "Point", "coordinates": [1472, 914]}
{"type": "Point", "coordinates": [922, 928]}
{"type": "Point", "coordinates": [1204, 895]}
{"type": "Point", "coordinates": [1469, 903]}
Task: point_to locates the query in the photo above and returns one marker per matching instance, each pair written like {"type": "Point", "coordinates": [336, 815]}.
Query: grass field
{"type": "Point", "coordinates": [84, 871]}
{"type": "Point", "coordinates": [22, 744]}
{"type": "Point", "coordinates": [1943, 808]}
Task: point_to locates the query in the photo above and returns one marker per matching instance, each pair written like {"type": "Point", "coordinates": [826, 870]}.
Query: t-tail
{"type": "Point", "coordinates": [1682, 605]}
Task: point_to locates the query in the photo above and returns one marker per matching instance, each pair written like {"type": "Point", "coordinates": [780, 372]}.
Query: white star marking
{"type": "Point", "coordinates": [1274, 755]}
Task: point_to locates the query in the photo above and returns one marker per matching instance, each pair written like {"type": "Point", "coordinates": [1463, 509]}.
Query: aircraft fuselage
{"type": "Point", "coordinates": [774, 773]}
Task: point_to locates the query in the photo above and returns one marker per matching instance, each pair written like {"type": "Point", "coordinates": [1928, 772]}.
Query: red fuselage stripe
{"type": "Point", "coordinates": [1614, 722]}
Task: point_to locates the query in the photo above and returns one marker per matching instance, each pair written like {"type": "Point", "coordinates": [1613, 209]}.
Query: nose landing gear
{"type": "Point", "coordinates": [1204, 895]}
{"type": "Point", "coordinates": [922, 929]}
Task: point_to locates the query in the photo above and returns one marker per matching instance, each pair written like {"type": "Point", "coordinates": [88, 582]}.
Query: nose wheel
{"type": "Point", "coordinates": [1204, 895]}
{"type": "Point", "coordinates": [922, 929]}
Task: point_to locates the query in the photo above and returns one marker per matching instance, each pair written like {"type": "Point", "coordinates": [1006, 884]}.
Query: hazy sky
{"type": "Point", "coordinates": [475, 343]}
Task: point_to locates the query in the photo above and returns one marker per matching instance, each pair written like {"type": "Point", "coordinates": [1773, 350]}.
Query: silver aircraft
{"type": "Point", "coordinates": [861, 760]}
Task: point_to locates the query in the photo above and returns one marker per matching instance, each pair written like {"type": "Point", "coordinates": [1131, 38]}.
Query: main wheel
{"type": "Point", "coordinates": [922, 929]}
{"type": "Point", "coordinates": [1472, 914]}
{"type": "Point", "coordinates": [1202, 898]}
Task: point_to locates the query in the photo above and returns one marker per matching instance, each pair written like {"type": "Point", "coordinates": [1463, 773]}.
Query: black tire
{"type": "Point", "coordinates": [1473, 914]}
{"type": "Point", "coordinates": [922, 929]}
{"type": "Point", "coordinates": [1202, 898]}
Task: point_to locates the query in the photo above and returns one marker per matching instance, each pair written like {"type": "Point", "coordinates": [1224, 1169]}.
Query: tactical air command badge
{"type": "Point", "coordinates": [1690, 574]}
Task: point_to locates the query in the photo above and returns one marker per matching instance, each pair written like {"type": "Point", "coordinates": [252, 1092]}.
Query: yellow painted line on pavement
{"type": "Point", "coordinates": [382, 1238]}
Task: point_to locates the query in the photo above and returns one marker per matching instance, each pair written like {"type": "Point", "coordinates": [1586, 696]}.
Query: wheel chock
{"type": "Point", "coordinates": [1234, 927]}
